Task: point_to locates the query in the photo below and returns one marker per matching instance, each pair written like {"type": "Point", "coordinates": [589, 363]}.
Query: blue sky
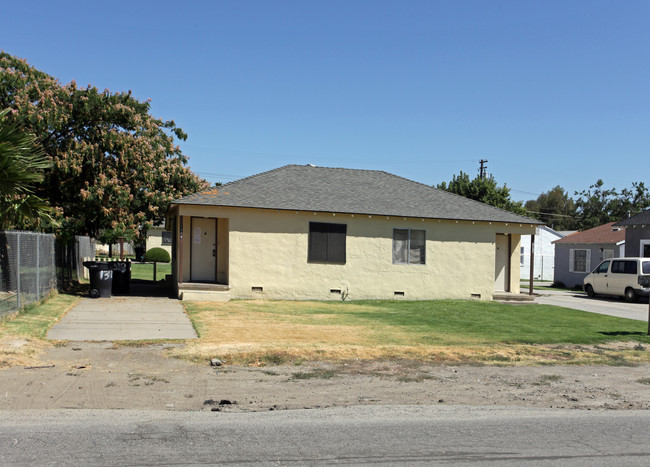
{"type": "Point", "coordinates": [549, 92]}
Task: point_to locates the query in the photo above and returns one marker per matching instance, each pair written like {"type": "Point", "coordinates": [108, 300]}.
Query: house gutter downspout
{"type": "Point", "coordinates": [532, 264]}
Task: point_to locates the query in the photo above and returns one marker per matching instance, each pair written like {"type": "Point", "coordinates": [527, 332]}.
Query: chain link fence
{"type": "Point", "coordinates": [34, 264]}
{"type": "Point", "coordinates": [70, 258]}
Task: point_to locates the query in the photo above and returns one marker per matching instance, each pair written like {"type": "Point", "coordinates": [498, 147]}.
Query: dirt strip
{"type": "Point", "coordinates": [103, 376]}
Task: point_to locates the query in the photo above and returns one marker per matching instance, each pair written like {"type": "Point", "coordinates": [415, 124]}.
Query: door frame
{"type": "Point", "coordinates": [216, 226]}
{"type": "Point", "coordinates": [643, 242]}
{"type": "Point", "coordinates": [507, 263]}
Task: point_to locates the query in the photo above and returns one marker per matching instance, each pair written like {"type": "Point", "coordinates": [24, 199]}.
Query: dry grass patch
{"type": "Point", "coordinates": [275, 332]}
{"type": "Point", "coordinates": [22, 335]}
{"type": "Point", "coordinates": [261, 323]}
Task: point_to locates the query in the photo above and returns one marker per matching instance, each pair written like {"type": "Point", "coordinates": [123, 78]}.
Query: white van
{"type": "Point", "coordinates": [619, 276]}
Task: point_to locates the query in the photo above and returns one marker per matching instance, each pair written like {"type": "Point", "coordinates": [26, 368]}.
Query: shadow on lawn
{"type": "Point", "coordinates": [623, 333]}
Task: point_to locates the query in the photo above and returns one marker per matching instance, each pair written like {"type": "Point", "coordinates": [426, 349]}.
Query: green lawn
{"type": "Point", "coordinates": [463, 322]}
{"type": "Point", "coordinates": [36, 319]}
{"type": "Point", "coordinates": [144, 271]}
{"type": "Point", "coordinates": [254, 331]}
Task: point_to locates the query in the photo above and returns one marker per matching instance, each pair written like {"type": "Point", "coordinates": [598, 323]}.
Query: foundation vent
{"type": "Point", "coordinates": [399, 293]}
{"type": "Point", "coordinates": [257, 289]}
{"type": "Point", "coordinates": [476, 296]}
{"type": "Point", "coordinates": [336, 291]}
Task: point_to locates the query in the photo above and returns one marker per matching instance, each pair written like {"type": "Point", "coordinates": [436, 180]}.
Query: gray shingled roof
{"type": "Point", "coordinates": [642, 218]}
{"type": "Point", "coordinates": [323, 189]}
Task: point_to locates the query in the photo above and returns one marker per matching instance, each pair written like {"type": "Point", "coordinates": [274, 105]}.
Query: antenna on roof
{"type": "Point", "coordinates": [311, 165]}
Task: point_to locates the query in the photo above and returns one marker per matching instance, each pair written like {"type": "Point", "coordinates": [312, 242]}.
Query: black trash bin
{"type": "Point", "coordinates": [101, 278]}
{"type": "Point", "coordinates": [121, 277]}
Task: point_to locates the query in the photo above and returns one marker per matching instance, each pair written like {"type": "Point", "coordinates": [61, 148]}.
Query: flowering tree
{"type": "Point", "coordinates": [114, 168]}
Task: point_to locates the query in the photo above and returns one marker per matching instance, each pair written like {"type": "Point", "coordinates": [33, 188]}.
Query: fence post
{"type": "Point", "coordinates": [38, 266]}
{"type": "Point", "coordinates": [18, 271]}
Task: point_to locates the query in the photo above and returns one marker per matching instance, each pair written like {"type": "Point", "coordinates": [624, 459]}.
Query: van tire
{"type": "Point", "coordinates": [630, 295]}
{"type": "Point", "coordinates": [590, 291]}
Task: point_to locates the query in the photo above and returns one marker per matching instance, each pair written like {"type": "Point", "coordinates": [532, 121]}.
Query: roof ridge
{"type": "Point", "coordinates": [258, 174]}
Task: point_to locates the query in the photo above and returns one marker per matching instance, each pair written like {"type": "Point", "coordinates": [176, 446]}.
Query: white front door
{"type": "Point", "coordinates": [501, 264]}
{"type": "Point", "coordinates": [204, 250]}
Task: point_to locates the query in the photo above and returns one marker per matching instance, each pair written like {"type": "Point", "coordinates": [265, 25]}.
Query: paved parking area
{"type": "Point", "coordinates": [604, 305]}
{"type": "Point", "coordinates": [124, 318]}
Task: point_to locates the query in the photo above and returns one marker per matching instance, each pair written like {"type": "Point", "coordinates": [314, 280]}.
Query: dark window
{"type": "Point", "coordinates": [327, 242]}
{"type": "Point", "coordinates": [166, 238]}
{"type": "Point", "coordinates": [602, 269]}
{"type": "Point", "coordinates": [624, 267]}
{"type": "Point", "coordinates": [646, 267]}
{"type": "Point", "coordinates": [580, 261]}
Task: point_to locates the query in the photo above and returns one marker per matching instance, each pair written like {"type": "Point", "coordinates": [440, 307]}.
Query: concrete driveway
{"type": "Point", "coordinates": [124, 318]}
{"type": "Point", "coordinates": [604, 305]}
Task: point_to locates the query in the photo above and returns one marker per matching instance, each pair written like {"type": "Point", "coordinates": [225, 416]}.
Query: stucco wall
{"type": "Point", "coordinates": [268, 249]}
{"type": "Point", "coordinates": [154, 240]}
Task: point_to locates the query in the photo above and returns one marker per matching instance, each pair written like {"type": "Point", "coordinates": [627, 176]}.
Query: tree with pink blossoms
{"type": "Point", "coordinates": [114, 168]}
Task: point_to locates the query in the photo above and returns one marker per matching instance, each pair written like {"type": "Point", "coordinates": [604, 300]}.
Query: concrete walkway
{"type": "Point", "coordinates": [124, 318]}
{"type": "Point", "coordinates": [611, 306]}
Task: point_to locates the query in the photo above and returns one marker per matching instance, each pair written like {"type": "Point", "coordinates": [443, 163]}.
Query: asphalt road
{"type": "Point", "coordinates": [394, 435]}
{"type": "Point", "coordinates": [612, 306]}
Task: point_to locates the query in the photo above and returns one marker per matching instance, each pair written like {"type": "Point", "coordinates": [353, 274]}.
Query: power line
{"type": "Point", "coordinates": [549, 214]}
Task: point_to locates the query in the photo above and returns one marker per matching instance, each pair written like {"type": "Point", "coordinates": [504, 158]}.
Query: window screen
{"type": "Point", "coordinates": [409, 246]}
{"type": "Point", "coordinates": [326, 242]}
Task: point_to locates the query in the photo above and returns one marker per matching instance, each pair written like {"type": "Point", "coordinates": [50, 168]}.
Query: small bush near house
{"type": "Point", "coordinates": [157, 255]}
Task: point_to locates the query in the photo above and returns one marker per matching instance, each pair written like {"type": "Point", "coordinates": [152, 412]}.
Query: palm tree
{"type": "Point", "coordinates": [22, 163]}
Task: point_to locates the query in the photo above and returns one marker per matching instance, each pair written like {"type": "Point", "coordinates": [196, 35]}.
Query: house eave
{"type": "Point", "coordinates": [368, 214]}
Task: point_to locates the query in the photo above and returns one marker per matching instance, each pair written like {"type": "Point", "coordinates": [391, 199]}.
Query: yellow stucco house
{"type": "Point", "coordinates": [306, 232]}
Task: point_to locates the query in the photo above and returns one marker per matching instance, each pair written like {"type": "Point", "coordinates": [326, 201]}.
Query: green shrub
{"type": "Point", "coordinates": [157, 255]}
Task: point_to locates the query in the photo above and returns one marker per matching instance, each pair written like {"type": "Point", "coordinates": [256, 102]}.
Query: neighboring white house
{"type": "Point", "coordinates": [544, 254]}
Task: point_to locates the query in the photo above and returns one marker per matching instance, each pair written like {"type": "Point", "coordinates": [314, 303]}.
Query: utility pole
{"type": "Point", "coordinates": [483, 168]}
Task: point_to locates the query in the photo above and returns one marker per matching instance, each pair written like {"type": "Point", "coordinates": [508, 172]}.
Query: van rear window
{"type": "Point", "coordinates": [624, 267]}
{"type": "Point", "coordinates": [646, 267]}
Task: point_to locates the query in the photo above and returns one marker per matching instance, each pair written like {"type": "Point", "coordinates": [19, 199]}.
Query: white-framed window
{"type": "Point", "coordinates": [409, 246]}
{"type": "Point", "coordinates": [166, 238]}
{"type": "Point", "coordinates": [522, 252]}
{"type": "Point", "coordinates": [579, 260]}
{"type": "Point", "coordinates": [644, 248]}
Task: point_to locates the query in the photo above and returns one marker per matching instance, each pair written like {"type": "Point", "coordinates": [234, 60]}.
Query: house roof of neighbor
{"type": "Point", "coordinates": [351, 191]}
{"type": "Point", "coordinates": [606, 233]}
{"type": "Point", "coordinates": [642, 218]}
